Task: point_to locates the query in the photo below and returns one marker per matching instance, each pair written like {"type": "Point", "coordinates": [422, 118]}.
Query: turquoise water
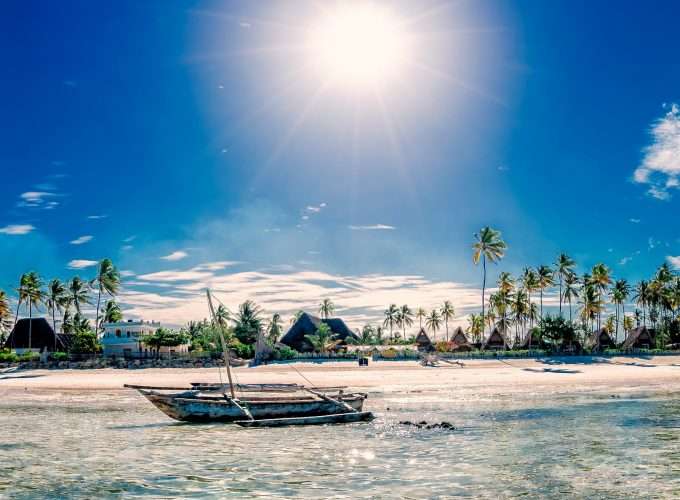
{"type": "Point", "coordinates": [117, 444]}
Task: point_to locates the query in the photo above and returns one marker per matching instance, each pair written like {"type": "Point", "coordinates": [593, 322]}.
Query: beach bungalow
{"type": "Point", "coordinates": [423, 341]}
{"type": "Point", "coordinates": [459, 337]}
{"type": "Point", "coordinates": [496, 341]}
{"type": "Point", "coordinates": [307, 324]}
{"type": "Point", "coordinates": [639, 338]}
{"type": "Point", "coordinates": [600, 340]}
{"type": "Point", "coordinates": [124, 339]}
{"type": "Point", "coordinates": [40, 338]}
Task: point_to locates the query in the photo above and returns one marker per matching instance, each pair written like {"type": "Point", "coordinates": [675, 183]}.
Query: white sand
{"type": "Point", "coordinates": [565, 375]}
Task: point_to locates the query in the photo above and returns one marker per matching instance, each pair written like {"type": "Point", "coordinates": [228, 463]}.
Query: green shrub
{"type": "Point", "coordinates": [8, 357]}
{"type": "Point", "coordinates": [29, 356]}
{"type": "Point", "coordinates": [242, 350]}
{"type": "Point", "coordinates": [85, 342]}
{"type": "Point", "coordinates": [284, 352]}
{"type": "Point", "coordinates": [59, 356]}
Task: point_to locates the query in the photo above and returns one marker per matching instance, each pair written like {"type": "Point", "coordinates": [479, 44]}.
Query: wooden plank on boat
{"type": "Point", "coordinates": [337, 418]}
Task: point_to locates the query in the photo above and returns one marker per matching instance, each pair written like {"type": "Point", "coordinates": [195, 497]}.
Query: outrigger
{"type": "Point", "coordinates": [261, 405]}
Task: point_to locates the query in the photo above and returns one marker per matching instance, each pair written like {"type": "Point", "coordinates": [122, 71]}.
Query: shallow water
{"type": "Point", "coordinates": [117, 444]}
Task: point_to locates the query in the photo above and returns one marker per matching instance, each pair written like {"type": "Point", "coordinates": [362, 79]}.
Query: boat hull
{"type": "Point", "coordinates": [194, 409]}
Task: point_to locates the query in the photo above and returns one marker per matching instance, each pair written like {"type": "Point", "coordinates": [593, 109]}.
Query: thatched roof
{"type": "Point", "coordinates": [308, 325]}
{"type": "Point", "coordinates": [496, 340]}
{"type": "Point", "coordinates": [459, 336]}
{"type": "Point", "coordinates": [531, 340]}
{"type": "Point", "coordinates": [42, 336]}
{"type": "Point", "coordinates": [422, 339]}
{"type": "Point", "coordinates": [639, 337]}
{"type": "Point", "coordinates": [600, 339]}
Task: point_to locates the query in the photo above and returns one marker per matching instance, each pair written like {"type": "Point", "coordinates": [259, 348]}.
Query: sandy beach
{"type": "Point", "coordinates": [502, 377]}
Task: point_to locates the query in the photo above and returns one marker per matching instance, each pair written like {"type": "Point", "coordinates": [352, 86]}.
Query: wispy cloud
{"type": "Point", "coordinates": [674, 261]}
{"type": "Point", "coordinates": [374, 227]}
{"type": "Point", "coordinates": [176, 255]}
{"type": "Point", "coordinates": [660, 167]}
{"type": "Point", "coordinates": [38, 199]}
{"type": "Point", "coordinates": [130, 239]}
{"type": "Point", "coordinates": [126, 273]}
{"type": "Point", "coordinates": [81, 263]}
{"type": "Point", "coordinates": [82, 240]}
{"type": "Point", "coordinates": [17, 229]}
{"type": "Point", "coordinates": [97, 217]}
{"type": "Point", "coordinates": [634, 221]}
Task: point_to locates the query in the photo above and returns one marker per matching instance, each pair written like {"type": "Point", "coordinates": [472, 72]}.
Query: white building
{"type": "Point", "coordinates": [124, 339]}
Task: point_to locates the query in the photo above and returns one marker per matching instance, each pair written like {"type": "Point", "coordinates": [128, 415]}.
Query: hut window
{"type": "Point", "coordinates": [118, 333]}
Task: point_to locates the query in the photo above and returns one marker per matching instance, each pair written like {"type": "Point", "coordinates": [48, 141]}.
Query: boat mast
{"type": "Point", "coordinates": [225, 350]}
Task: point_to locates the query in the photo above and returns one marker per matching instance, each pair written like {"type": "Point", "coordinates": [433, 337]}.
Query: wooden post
{"type": "Point", "coordinates": [225, 350]}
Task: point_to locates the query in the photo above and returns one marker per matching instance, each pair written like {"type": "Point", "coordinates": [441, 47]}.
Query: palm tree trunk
{"type": "Point", "coordinates": [560, 295]}
{"type": "Point", "coordinates": [16, 316]}
{"type": "Point", "coordinates": [483, 289]}
{"type": "Point", "coordinates": [30, 323]}
{"type": "Point", "coordinates": [447, 329]}
{"type": "Point", "coordinates": [541, 303]}
{"type": "Point", "coordinates": [99, 297]}
{"type": "Point", "coordinates": [54, 328]}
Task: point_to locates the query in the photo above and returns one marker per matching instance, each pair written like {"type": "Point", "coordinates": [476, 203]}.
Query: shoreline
{"type": "Point", "coordinates": [480, 377]}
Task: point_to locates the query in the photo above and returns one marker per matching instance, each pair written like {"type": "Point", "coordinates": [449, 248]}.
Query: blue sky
{"type": "Point", "coordinates": [195, 144]}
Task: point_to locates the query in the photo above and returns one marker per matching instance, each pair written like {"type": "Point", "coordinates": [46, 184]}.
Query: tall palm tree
{"type": "Point", "coordinates": [641, 298]}
{"type": "Point", "coordinates": [530, 284]}
{"type": "Point", "coordinates": [506, 283]}
{"type": "Point", "coordinates": [391, 318]}
{"type": "Point", "coordinates": [545, 280]}
{"type": "Point", "coordinates": [5, 315]}
{"type": "Point", "coordinates": [520, 310]}
{"type": "Point", "coordinates": [22, 292]}
{"type": "Point", "coordinates": [420, 314]}
{"type": "Point", "coordinates": [563, 267]}
{"type": "Point", "coordinates": [601, 278]}
{"type": "Point", "coordinates": [433, 322]}
{"type": "Point", "coordinates": [326, 308]}
{"type": "Point", "coordinates": [405, 318]}
{"type": "Point", "coordinates": [274, 329]}
{"type": "Point", "coordinates": [489, 246]}
{"type": "Point", "coordinates": [55, 299]}
{"type": "Point", "coordinates": [78, 293]}
{"type": "Point", "coordinates": [619, 294]}
{"type": "Point", "coordinates": [570, 290]}
{"type": "Point", "coordinates": [107, 281]}
{"type": "Point", "coordinates": [34, 296]}
{"type": "Point", "coordinates": [222, 315]}
{"type": "Point", "coordinates": [447, 312]}
{"type": "Point", "coordinates": [475, 327]}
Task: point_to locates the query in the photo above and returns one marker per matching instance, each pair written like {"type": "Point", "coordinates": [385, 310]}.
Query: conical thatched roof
{"type": "Point", "coordinates": [308, 325]}
{"type": "Point", "coordinates": [459, 337]}
{"type": "Point", "coordinates": [42, 336]}
{"type": "Point", "coordinates": [532, 340]}
{"type": "Point", "coordinates": [422, 339]}
{"type": "Point", "coordinates": [600, 339]}
{"type": "Point", "coordinates": [496, 340]}
{"type": "Point", "coordinates": [640, 337]}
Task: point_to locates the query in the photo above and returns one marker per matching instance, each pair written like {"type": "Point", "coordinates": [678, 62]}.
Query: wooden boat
{"type": "Point", "coordinates": [275, 405]}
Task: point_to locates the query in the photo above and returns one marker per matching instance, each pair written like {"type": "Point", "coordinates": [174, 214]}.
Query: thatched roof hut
{"type": "Point", "coordinates": [42, 336]}
{"type": "Point", "coordinates": [459, 337]}
{"type": "Point", "coordinates": [423, 341]}
{"type": "Point", "coordinates": [533, 341]}
{"type": "Point", "coordinates": [496, 340]}
{"type": "Point", "coordinates": [639, 338]}
{"type": "Point", "coordinates": [599, 340]}
{"type": "Point", "coordinates": [307, 324]}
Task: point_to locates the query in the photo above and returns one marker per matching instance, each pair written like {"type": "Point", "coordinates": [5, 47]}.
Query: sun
{"type": "Point", "coordinates": [358, 45]}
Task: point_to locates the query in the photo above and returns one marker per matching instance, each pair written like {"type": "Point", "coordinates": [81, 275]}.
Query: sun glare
{"type": "Point", "coordinates": [358, 45]}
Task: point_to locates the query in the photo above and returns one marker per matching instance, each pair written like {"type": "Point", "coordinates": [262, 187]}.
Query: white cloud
{"type": "Point", "coordinates": [177, 255]}
{"type": "Point", "coordinates": [199, 272]}
{"type": "Point", "coordinates": [244, 24]}
{"type": "Point", "coordinates": [97, 217]}
{"type": "Point", "coordinates": [37, 199]}
{"type": "Point", "coordinates": [81, 263]}
{"type": "Point", "coordinates": [625, 260]}
{"type": "Point", "coordinates": [634, 221]}
{"type": "Point", "coordinates": [126, 273]}
{"type": "Point", "coordinates": [660, 167]}
{"type": "Point", "coordinates": [126, 248]}
{"type": "Point", "coordinates": [17, 229]}
{"type": "Point", "coordinates": [374, 227]}
{"type": "Point", "coordinates": [674, 261]}
{"type": "Point", "coordinates": [129, 239]}
{"type": "Point", "coordinates": [81, 240]}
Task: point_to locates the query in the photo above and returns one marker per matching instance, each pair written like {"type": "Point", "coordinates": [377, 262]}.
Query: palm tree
{"type": "Point", "coordinates": [107, 281]}
{"type": "Point", "coordinates": [78, 293]}
{"type": "Point", "coordinates": [113, 314]}
{"type": "Point", "coordinates": [520, 310]}
{"type": "Point", "coordinates": [274, 329]}
{"type": "Point", "coordinates": [545, 280]}
{"type": "Point", "coordinates": [222, 315]}
{"type": "Point", "coordinates": [530, 284]}
{"type": "Point", "coordinates": [628, 324]}
{"type": "Point", "coordinates": [405, 318]}
{"type": "Point", "coordinates": [322, 341]}
{"type": "Point", "coordinates": [563, 266]}
{"type": "Point", "coordinates": [55, 299]}
{"type": "Point", "coordinates": [296, 316]}
{"type": "Point", "coordinates": [488, 246]}
{"type": "Point", "coordinates": [34, 296]}
{"type": "Point", "coordinates": [619, 294]}
{"type": "Point", "coordinates": [570, 289]}
{"type": "Point", "coordinates": [447, 312]}
{"type": "Point", "coordinates": [601, 279]}
{"type": "Point", "coordinates": [420, 314]}
{"type": "Point", "coordinates": [366, 335]}
{"type": "Point", "coordinates": [475, 326]}
{"type": "Point", "coordinates": [591, 304]}
{"type": "Point", "coordinates": [5, 315]}
{"type": "Point", "coordinates": [326, 308]}
{"type": "Point", "coordinates": [641, 298]}
{"type": "Point", "coordinates": [433, 322]}
{"type": "Point", "coordinates": [22, 292]}
{"type": "Point", "coordinates": [391, 318]}
{"type": "Point", "coordinates": [506, 283]}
